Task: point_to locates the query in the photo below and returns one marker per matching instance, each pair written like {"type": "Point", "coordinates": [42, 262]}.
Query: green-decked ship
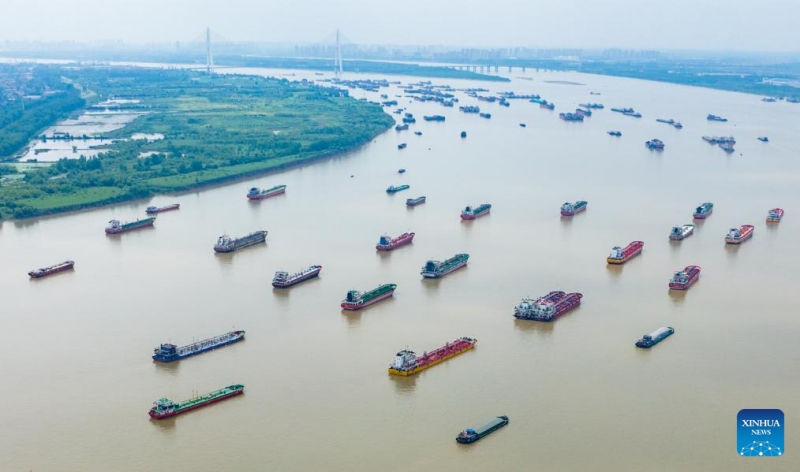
{"type": "Point", "coordinates": [115, 227]}
{"type": "Point", "coordinates": [165, 408]}
{"type": "Point", "coordinates": [356, 300]}
{"type": "Point", "coordinates": [436, 269]}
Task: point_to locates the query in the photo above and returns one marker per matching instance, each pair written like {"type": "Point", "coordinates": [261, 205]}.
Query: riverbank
{"type": "Point", "coordinates": [215, 129]}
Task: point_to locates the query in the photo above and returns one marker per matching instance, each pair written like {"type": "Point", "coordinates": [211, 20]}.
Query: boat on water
{"type": "Point", "coordinates": [683, 279]}
{"type": "Point", "coordinates": [623, 110]}
{"type": "Point", "coordinates": [355, 300]}
{"type": "Point", "coordinates": [393, 189]}
{"type": "Point", "coordinates": [387, 243]}
{"type": "Point", "coordinates": [595, 106]}
{"type": "Point", "coordinates": [615, 133]}
{"type": "Point", "coordinates": [739, 235]}
{"type": "Point", "coordinates": [285, 280]}
{"type": "Point", "coordinates": [716, 118]}
{"type": "Point", "coordinates": [569, 209]}
{"type": "Point", "coordinates": [703, 211]}
{"type": "Point", "coordinates": [548, 307]}
{"type": "Point", "coordinates": [650, 340]}
{"type": "Point", "coordinates": [402, 127]}
{"type": "Point", "coordinates": [471, 435]}
{"type": "Point", "coordinates": [152, 210]}
{"type": "Point", "coordinates": [171, 353]}
{"type": "Point", "coordinates": [226, 243]}
{"type": "Point", "coordinates": [485, 115]}
{"type": "Point", "coordinates": [719, 139]}
{"type": "Point", "coordinates": [655, 144]}
{"type": "Point", "coordinates": [727, 147]}
{"type": "Point", "coordinates": [463, 134]}
{"type": "Point", "coordinates": [116, 227]}
{"type": "Point", "coordinates": [402, 146]}
{"type": "Point", "coordinates": [633, 114]}
{"type": "Point", "coordinates": [677, 125]}
{"type": "Point", "coordinates": [418, 133]}
{"type": "Point", "coordinates": [547, 105]}
{"type": "Point", "coordinates": [165, 408]}
{"type": "Point", "coordinates": [470, 109]}
{"type": "Point", "coordinates": [585, 113]}
{"type": "Point", "coordinates": [412, 202]}
{"type": "Point", "coordinates": [435, 269]}
{"type": "Point", "coordinates": [256, 193]}
{"type": "Point", "coordinates": [622, 255]}
{"type": "Point", "coordinates": [522, 125]}
{"type": "Point", "coordinates": [401, 171]}
{"type": "Point", "coordinates": [763, 139]}
{"type": "Point", "coordinates": [407, 363]}
{"type": "Point", "coordinates": [470, 213]}
{"type": "Point", "coordinates": [679, 233]}
{"type": "Point", "coordinates": [433, 118]}
{"type": "Point", "coordinates": [775, 215]}
{"type": "Point", "coordinates": [669, 121]}
{"type": "Point", "coordinates": [570, 116]}
{"type": "Point", "coordinates": [53, 269]}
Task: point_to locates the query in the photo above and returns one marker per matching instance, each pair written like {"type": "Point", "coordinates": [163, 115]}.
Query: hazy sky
{"type": "Point", "coordinates": [764, 25]}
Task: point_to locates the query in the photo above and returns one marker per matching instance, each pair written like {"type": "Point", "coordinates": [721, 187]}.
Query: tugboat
{"type": "Point", "coordinates": [716, 118]}
{"type": "Point", "coordinates": [775, 215]}
{"type": "Point", "coordinates": [470, 213]}
{"type": "Point", "coordinates": [703, 211]}
{"type": "Point", "coordinates": [650, 340]}
{"type": "Point", "coordinates": [436, 269]}
{"type": "Point", "coordinates": [387, 243]}
{"type": "Point", "coordinates": [402, 146]}
{"type": "Point", "coordinates": [763, 139]}
{"type": "Point", "coordinates": [679, 233]}
{"type": "Point", "coordinates": [256, 193]}
{"type": "Point", "coordinates": [615, 133]}
{"type": "Point", "coordinates": [393, 189]}
{"type": "Point", "coordinates": [471, 435]}
{"type": "Point", "coordinates": [412, 202]}
{"type": "Point", "coordinates": [165, 408]}
{"type": "Point", "coordinates": [54, 269]}
{"type": "Point", "coordinates": [522, 125]}
{"type": "Point", "coordinates": [115, 227]}
{"type": "Point", "coordinates": [549, 307]}
{"type": "Point", "coordinates": [401, 171]}
{"type": "Point", "coordinates": [569, 209]}
{"type": "Point", "coordinates": [683, 279]}
{"type": "Point", "coordinates": [738, 235]}
{"type": "Point", "coordinates": [407, 363]}
{"type": "Point", "coordinates": [226, 243]}
{"type": "Point", "coordinates": [655, 144]}
{"type": "Point", "coordinates": [171, 352]}
{"type": "Point", "coordinates": [152, 210]}
{"type": "Point", "coordinates": [356, 300]}
{"type": "Point", "coordinates": [621, 255]}
{"type": "Point", "coordinates": [285, 280]}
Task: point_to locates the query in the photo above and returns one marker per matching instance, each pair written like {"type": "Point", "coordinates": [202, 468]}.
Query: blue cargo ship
{"type": "Point", "coordinates": [171, 352]}
{"type": "Point", "coordinates": [650, 340]}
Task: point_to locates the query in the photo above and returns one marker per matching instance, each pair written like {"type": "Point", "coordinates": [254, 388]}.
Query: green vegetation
{"type": "Point", "coordinates": [215, 128]}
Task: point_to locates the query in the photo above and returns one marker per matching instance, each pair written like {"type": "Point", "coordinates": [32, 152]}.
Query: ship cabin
{"type": "Point", "coordinates": [114, 225]}
{"type": "Point", "coordinates": [353, 296]}
{"type": "Point", "coordinates": [163, 406]}
{"type": "Point", "coordinates": [680, 278]}
{"type": "Point", "coordinates": [616, 253]}
{"type": "Point", "coordinates": [677, 232]}
{"type": "Point", "coordinates": [151, 209]}
{"type": "Point", "coordinates": [432, 266]}
{"type": "Point", "coordinates": [734, 233]}
{"type": "Point", "coordinates": [254, 191]}
{"type": "Point", "coordinates": [405, 360]}
{"type": "Point", "coordinates": [224, 240]}
{"type": "Point", "coordinates": [280, 276]}
{"type": "Point", "coordinates": [165, 352]}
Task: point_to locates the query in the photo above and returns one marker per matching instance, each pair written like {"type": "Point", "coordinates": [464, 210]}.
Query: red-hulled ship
{"type": "Point", "coordinates": [45, 271]}
{"type": "Point", "coordinates": [740, 234]}
{"type": "Point", "coordinates": [387, 243]}
{"type": "Point", "coordinates": [684, 279]}
{"type": "Point", "coordinates": [621, 255]}
{"type": "Point", "coordinates": [151, 210]}
{"type": "Point", "coordinates": [550, 307]}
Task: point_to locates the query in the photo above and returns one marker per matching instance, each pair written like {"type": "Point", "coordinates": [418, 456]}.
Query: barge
{"type": "Point", "coordinates": [152, 210]}
{"type": "Point", "coordinates": [166, 408]}
{"type": "Point", "coordinates": [171, 353]}
{"type": "Point", "coordinates": [285, 280]}
{"type": "Point", "coordinates": [471, 435]}
{"type": "Point", "coordinates": [256, 193]}
{"type": "Point", "coordinates": [116, 227]}
{"type": "Point", "coordinates": [53, 269]}
{"type": "Point", "coordinates": [650, 340]}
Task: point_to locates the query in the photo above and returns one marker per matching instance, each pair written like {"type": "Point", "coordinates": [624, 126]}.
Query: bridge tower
{"type": "Point", "coordinates": [337, 59]}
{"type": "Point", "coordinates": [209, 56]}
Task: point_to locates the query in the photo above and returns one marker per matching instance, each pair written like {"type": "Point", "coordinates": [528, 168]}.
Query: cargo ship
{"type": "Point", "coordinates": [680, 233]}
{"type": "Point", "coordinates": [596, 106]}
{"type": "Point", "coordinates": [402, 146]}
{"type": "Point", "coordinates": [615, 133]}
{"type": "Point", "coordinates": [569, 209]}
{"type": "Point", "coordinates": [683, 279]}
{"type": "Point", "coordinates": [655, 144]}
{"type": "Point", "coordinates": [285, 279]}
{"type": "Point", "coordinates": [739, 235]}
{"type": "Point", "coordinates": [669, 121]}
{"type": "Point", "coordinates": [356, 300]}
{"type": "Point", "coordinates": [401, 171]}
{"type": "Point", "coordinates": [570, 116]}
{"type": "Point", "coordinates": [387, 243]}
{"type": "Point", "coordinates": [633, 114]}
{"type": "Point", "coordinates": [471, 435]}
{"type": "Point", "coordinates": [226, 243]}
{"type": "Point", "coordinates": [775, 215]}
{"type": "Point", "coordinates": [650, 340]}
{"type": "Point", "coordinates": [171, 352]}
{"type": "Point", "coordinates": [407, 363]}
{"type": "Point", "coordinates": [165, 408]}
{"type": "Point", "coordinates": [716, 118]}
{"type": "Point", "coordinates": [727, 147]}
{"type": "Point", "coordinates": [436, 269]}
{"type": "Point", "coordinates": [54, 269]}
{"type": "Point", "coordinates": [763, 139]}
{"type": "Point", "coordinates": [470, 213]}
{"type": "Point", "coordinates": [621, 255]}
{"type": "Point", "coordinates": [256, 193]}
{"type": "Point", "coordinates": [488, 116]}
{"type": "Point", "coordinates": [549, 307]}
{"type": "Point", "coordinates": [703, 211]}
{"type": "Point", "coordinates": [470, 109]}
{"type": "Point", "coordinates": [585, 113]}
{"type": "Point", "coordinates": [393, 189]}
{"type": "Point", "coordinates": [115, 227]}
{"type": "Point", "coordinates": [402, 127]}
{"type": "Point", "coordinates": [545, 104]}
{"type": "Point", "coordinates": [412, 202]}
{"type": "Point", "coordinates": [152, 210]}
{"type": "Point", "coordinates": [524, 310]}
{"type": "Point", "coordinates": [434, 118]}
{"type": "Point", "coordinates": [623, 110]}
{"type": "Point", "coordinates": [719, 139]}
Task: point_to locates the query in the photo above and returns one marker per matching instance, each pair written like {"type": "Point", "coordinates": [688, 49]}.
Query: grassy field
{"type": "Point", "coordinates": [86, 196]}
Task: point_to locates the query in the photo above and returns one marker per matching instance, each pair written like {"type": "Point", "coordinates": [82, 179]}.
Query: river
{"type": "Point", "coordinates": [76, 368]}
